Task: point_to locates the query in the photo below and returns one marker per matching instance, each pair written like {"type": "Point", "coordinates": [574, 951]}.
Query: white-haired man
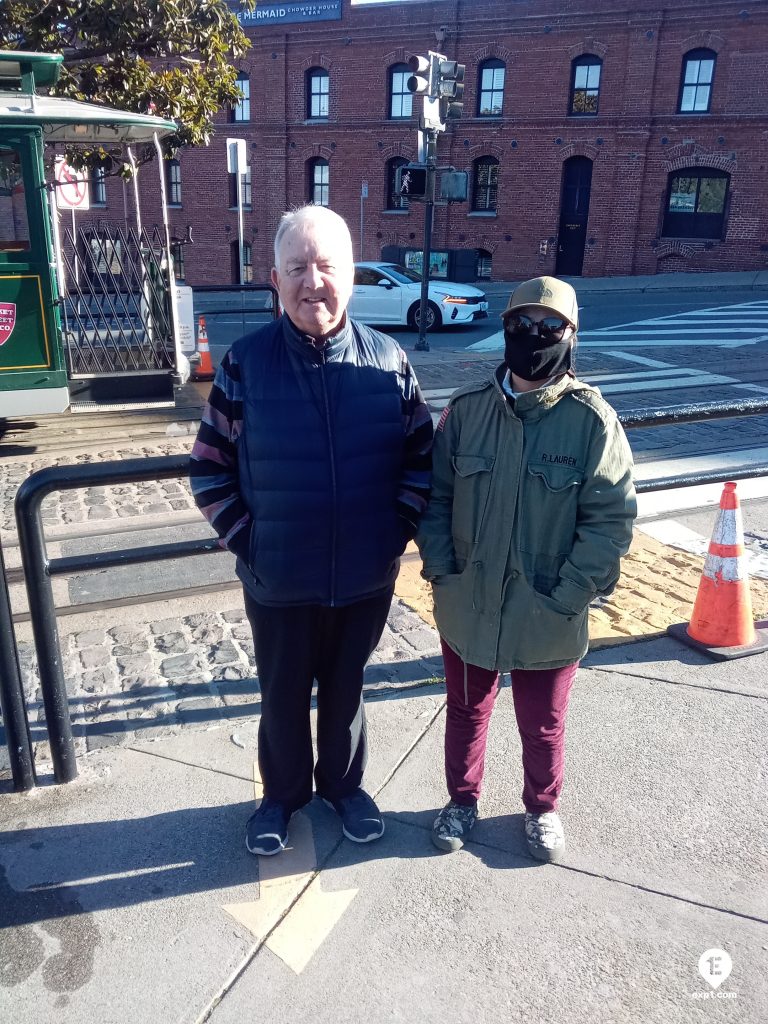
{"type": "Point", "coordinates": [312, 463]}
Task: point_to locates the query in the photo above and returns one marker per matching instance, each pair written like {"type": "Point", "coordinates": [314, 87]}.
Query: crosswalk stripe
{"type": "Point", "coordinates": [618, 383]}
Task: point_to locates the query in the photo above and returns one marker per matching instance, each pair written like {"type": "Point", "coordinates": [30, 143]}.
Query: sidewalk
{"type": "Point", "coordinates": [128, 895]}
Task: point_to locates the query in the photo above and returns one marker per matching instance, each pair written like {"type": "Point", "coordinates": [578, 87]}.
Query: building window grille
{"type": "Point", "coordinates": [585, 85]}
{"type": "Point", "coordinates": [483, 266]}
{"type": "Point", "coordinates": [491, 91]}
{"type": "Point", "coordinates": [394, 200]}
{"type": "Point", "coordinates": [696, 82]}
{"type": "Point", "coordinates": [486, 184]}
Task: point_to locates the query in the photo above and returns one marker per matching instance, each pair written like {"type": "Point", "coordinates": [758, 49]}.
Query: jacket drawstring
{"type": "Point", "coordinates": [466, 686]}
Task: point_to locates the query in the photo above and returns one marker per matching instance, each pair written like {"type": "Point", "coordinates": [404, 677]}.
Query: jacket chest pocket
{"type": "Point", "coordinates": [549, 508]}
{"type": "Point", "coordinates": [471, 487]}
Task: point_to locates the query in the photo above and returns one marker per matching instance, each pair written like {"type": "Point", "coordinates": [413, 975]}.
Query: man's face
{"type": "Point", "coordinates": [315, 278]}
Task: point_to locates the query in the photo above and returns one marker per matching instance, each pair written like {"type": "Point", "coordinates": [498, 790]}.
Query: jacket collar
{"type": "Point", "coordinates": [308, 348]}
{"type": "Point", "coordinates": [533, 403]}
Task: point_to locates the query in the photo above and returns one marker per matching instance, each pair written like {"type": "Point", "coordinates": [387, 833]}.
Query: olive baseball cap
{"type": "Point", "coordinates": [555, 295]}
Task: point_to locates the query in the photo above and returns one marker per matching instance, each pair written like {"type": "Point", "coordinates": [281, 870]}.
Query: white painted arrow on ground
{"type": "Point", "coordinates": [299, 930]}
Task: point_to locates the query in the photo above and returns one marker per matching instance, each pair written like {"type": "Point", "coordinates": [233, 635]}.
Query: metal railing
{"type": "Point", "coordinates": [39, 570]}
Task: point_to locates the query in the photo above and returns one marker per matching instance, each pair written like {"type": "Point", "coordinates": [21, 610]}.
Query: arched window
{"type": "Point", "coordinates": [483, 265]}
{"type": "Point", "coordinates": [585, 85]}
{"type": "Point", "coordinates": [485, 184]}
{"type": "Point", "coordinates": [242, 109]}
{"type": "Point", "coordinates": [173, 182]}
{"type": "Point", "coordinates": [490, 88]}
{"type": "Point", "coordinates": [696, 82]}
{"type": "Point", "coordinates": [400, 100]}
{"type": "Point", "coordinates": [394, 200]}
{"type": "Point", "coordinates": [318, 92]}
{"type": "Point", "coordinates": [319, 181]}
{"type": "Point", "coordinates": [696, 201]}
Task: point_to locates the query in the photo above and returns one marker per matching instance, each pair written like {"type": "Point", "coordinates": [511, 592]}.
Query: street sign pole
{"type": "Point", "coordinates": [430, 148]}
{"type": "Point", "coordinates": [363, 197]}
{"type": "Point", "coordinates": [237, 164]}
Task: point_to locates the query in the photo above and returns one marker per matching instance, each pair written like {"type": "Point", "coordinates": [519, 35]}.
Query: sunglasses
{"type": "Point", "coordinates": [552, 327]}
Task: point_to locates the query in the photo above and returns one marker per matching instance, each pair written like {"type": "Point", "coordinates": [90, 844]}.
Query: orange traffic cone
{"type": "Point", "coordinates": [722, 612]}
{"type": "Point", "coordinates": [721, 624]}
{"type": "Point", "coordinates": [204, 368]}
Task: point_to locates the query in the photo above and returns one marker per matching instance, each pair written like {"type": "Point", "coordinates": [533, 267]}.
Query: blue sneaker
{"type": "Point", "coordinates": [267, 830]}
{"type": "Point", "coordinates": [361, 819]}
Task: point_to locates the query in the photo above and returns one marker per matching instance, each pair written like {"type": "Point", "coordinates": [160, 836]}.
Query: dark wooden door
{"type": "Point", "coordinates": [574, 214]}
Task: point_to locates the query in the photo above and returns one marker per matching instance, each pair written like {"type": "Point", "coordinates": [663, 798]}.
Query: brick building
{"type": "Point", "coordinates": [600, 138]}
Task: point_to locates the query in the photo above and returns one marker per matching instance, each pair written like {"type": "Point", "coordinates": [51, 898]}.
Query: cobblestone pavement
{"type": "Point", "coordinates": [95, 504]}
{"type": "Point", "coordinates": [148, 680]}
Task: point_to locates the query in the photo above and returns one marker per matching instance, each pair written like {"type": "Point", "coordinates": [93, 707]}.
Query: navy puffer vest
{"type": "Point", "coordinates": [319, 463]}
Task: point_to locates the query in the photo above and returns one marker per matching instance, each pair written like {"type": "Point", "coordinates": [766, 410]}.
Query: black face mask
{"type": "Point", "coordinates": [530, 358]}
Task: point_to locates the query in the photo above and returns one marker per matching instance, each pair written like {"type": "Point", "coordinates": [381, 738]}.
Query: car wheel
{"type": "Point", "coordinates": [434, 319]}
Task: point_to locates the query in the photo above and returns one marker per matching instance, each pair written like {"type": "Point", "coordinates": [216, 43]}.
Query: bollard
{"type": "Point", "coordinates": [12, 695]}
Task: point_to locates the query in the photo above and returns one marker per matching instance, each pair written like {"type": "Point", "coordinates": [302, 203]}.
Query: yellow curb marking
{"type": "Point", "coordinates": [297, 937]}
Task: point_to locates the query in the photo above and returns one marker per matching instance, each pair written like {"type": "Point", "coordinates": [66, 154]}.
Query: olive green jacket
{"type": "Point", "coordinates": [531, 510]}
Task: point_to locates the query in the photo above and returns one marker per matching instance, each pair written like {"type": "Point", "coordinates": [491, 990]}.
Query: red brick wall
{"type": "Point", "coordinates": [635, 140]}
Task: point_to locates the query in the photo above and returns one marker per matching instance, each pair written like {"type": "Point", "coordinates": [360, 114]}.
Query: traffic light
{"type": "Point", "coordinates": [441, 82]}
{"type": "Point", "coordinates": [450, 88]}
{"type": "Point", "coordinates": [423, 81]}
{"type": "Point", "coordinates": [412, 182]}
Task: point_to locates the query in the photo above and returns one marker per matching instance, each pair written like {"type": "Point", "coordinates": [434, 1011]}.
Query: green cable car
{"type": "Point", "coordinates": [88, 317]}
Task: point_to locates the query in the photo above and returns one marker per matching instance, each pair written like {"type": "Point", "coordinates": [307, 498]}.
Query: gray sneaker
{"type": "Point", "coordinates": [545, 837]}
{"type": "Point", "coordinates": [452, 825]}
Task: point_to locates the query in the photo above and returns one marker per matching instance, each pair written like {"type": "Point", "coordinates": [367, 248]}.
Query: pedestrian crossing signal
{"type": "Point", "coordinates": [411, 181]}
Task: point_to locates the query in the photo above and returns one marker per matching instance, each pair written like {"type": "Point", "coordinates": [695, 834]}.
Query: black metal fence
{"type": "Point", "coordinates": [39, 570]}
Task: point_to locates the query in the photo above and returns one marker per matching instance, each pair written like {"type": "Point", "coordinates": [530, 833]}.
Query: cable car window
{"type": "Point", "coordinates": [14, 224]}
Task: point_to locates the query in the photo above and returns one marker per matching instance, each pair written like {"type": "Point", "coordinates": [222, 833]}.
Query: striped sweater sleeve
{"type": "Point", "coordinates": [213, 464]}
{"type": "Point", "coordinates": [416, 474]}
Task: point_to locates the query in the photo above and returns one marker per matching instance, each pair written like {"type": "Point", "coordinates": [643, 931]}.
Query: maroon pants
{"type": "Point", "coordinates": [541, 701]}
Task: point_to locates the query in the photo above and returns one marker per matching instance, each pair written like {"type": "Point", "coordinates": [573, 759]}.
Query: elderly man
{"type": "Point", "coordinates": [312, 463]}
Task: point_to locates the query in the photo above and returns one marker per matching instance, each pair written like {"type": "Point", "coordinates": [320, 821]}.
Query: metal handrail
{"type": "Point", "coordinates": [39, 569]}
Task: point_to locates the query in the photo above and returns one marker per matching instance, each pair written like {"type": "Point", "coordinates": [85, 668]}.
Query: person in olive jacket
{"type": "Point", "coordinates": [531, 510]}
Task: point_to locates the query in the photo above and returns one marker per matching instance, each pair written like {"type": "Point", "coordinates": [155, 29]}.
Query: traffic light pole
{"type": "Point", "coordinates": [430, 135]}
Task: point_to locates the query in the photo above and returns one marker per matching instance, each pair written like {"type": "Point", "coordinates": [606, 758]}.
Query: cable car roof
{"type": "Point", "coordinates": [64, 120]}
{"type": "Point", "coordinates": [72, 121]}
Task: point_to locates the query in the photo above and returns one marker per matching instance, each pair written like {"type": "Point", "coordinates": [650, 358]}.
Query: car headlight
{"type": "Point", "coordinates": [455, 299]}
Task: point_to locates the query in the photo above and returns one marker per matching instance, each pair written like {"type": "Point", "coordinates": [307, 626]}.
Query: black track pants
{"type": "Point", "coordinates": [294, 647]}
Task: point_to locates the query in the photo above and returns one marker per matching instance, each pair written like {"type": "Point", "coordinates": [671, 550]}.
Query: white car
{"type": "Point", "coordinates": [387, 293]}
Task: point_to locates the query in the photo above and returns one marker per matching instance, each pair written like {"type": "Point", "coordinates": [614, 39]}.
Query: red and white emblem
{"type": "Point", "coordinates": [7, 320]}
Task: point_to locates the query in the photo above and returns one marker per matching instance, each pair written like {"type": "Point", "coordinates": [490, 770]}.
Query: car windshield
{"type": "Point", "coordinates": [401, 274]}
